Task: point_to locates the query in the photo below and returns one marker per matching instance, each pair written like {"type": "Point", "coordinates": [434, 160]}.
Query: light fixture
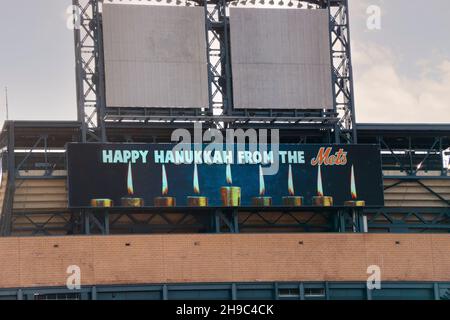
{"type": "Point", "coordinates": [300, 5]}
{"type": "Point", "coordinates": [290, 3]}
{"type": "Point", "coordinates": [271, 2]}
{"type": "Point", "coordinates": [281, 3]}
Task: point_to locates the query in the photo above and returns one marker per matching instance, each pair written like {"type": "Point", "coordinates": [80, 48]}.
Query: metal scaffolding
{"type": "Point", "coordinates": [93, 112]}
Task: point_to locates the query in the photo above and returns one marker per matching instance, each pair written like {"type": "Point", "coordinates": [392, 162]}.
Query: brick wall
{"type": "Point", "coordinates": [28, 262]}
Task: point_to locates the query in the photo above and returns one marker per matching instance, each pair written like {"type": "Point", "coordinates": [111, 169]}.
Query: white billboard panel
{"type": "Point", "coordinates": [155, 56]}
{"type": "Point", "coordinates": [280, 59]}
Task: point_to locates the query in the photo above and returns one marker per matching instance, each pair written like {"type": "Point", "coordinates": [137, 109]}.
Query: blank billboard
{"type": "Point", "coordinates": [155, 56]}
{"type": "Point", "coordinates": [280, 59]}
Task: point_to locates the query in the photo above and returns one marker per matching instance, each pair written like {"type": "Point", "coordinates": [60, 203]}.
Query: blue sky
{"type": "Point", "coordinates": [402, 72]}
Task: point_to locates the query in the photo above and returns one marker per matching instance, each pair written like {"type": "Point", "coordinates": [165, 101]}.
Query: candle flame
{"type": "Point", "coordinates": [290, 182]}
{"type": "Point", "coordinates": [353, 185]}
{"type": "Point", "coordinates": [196, 184]}
{"type": "Point", "coordinates": [319, 183]}
{"type": "Point", "coordinates": [165, 184]}
{"type": "Point", "coordinates": [262, 186]}
{"type": "Point", "coordinates": [229, 177]}
{"type": "Point", "coordinates": [130, 180]}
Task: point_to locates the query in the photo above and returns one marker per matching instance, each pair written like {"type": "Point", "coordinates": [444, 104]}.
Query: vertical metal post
{"type": "Point", "coordinates": [19, 294]}
{"type": "Point", "coordinates": [165, 292]}
{"type": "Point", "coordinates": [368, 293]}
{"type": "Point", "coordinates": [208, 56]}
{"type": "Point", "coordinates": [6, 218]}
{"type": "Point", "coordinates": [87, 222]}
{"type": "Point", "coordinates": [275, 293]}
{"type": "Point", "coordinates": [350, 74]}
{"type": "Point", "coordinates": [437, 295]}
{"type": "Point", "coordinates": [233, 291]}
{"type": "Point", "coordinates": [337, 133]}
{"type": "Point", "coordinates": [228, 101]}
{"type": "Point", "coordinates": [301, 288]}
{"type": "Point", "coordinates": [217, 221]}
{"type": "Point", "coordinates": [235, 221]}
{"type": "Point", "coordinates": [106, 219]}
{"type": "Point", "coordinates": [443, 169]}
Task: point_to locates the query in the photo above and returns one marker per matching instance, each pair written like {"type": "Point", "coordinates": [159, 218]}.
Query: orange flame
{"type": "Point", "coordinates": [165, 184]}
{"type": "Point", "coordinates": [290, 182]}
{"type": "Point", "coordinates": [262, 186]}
{"type": "Point", "coordinates": [229, 177]}
{"type": "Point", "coordinates": [196, 184]}
{"type": "Point", "coordinates": [319, 183]}
{"type": "Point", "coordinates": [130, 180]}
{"type": "Point", "coordinates": [353, 185]}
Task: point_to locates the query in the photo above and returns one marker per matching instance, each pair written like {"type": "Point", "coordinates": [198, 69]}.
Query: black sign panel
{"type": "Point", "coordinates": [149, 175]}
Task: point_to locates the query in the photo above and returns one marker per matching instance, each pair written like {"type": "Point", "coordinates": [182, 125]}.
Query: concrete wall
{"type": "Point", "coordinates": [28, 262]}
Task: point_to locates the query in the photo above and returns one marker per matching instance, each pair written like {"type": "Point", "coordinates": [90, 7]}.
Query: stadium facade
{"type": "Point", "coordinates": [220, 252]}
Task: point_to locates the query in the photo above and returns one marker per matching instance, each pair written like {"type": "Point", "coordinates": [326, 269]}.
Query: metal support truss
{"type": "Point", "coordinates": [222, 220]}
{"type": "Point", "coordinates": [44, 223]}
{"type": "Point", "coordinates": [413, 160]}
{"type": "Point", "coordinates": [226, 221]}
{"type": "Point", "coordinates": [95, 222]}
{"type": "Point", "coordinates": [409, 220]}
{"type": "Point", "coordinates": [89, 69]}
{"type": "Point", "coordinates": [43, 160]}
{"type": "Point", "coordinates": [218, 57]}
{"type": "Point", "coordinates": [342, 71]}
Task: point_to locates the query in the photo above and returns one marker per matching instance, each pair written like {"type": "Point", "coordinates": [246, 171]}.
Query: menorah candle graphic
{"type": "Point", "coordinates": [102, 203]}
{"type": "Point", "coordinates": [262, 200]}
{"type": "Point", "coordinates": [292, 200]}
{"type": "Point", "coordinates": [197, 201]}
{"type": "Point", "coordinates": [165, 200]}
{"type": "Point", "coordinates": [231, 196]}
{"type": "Point", "coordinates": [321, 200]}
{"type": "Point", "coordinates": [354, 202]}
{"type": "Point", "coordinates": [131, 201]}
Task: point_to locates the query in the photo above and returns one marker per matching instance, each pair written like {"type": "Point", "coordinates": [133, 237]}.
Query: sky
{"type": "Point", "coordinates": [401, 70]}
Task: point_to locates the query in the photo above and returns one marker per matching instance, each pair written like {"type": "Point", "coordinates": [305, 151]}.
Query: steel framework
{"type": "Point", "coordinates": [89, 69]}
{"type": "Point", "coordinates": [93, 112]}
{"type": "Point", "coordinates": [30, 146]}
{"type": "Point", "coordinates": [239, 291]}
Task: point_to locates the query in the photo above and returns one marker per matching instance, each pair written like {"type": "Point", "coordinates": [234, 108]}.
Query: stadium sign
{"type": "Point", "coordinates": [168, 175]}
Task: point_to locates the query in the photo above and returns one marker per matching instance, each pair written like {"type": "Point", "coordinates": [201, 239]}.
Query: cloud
{"type": "Point", "coordinates": [384, 94]}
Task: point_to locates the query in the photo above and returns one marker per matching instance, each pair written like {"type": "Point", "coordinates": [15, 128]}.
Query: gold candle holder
{"type": "Point", "coordinates": [132, 202]}
{"type": "Point", "coordinates": [197, 201]}
{"type": "Point", "coordinates": [262, 201]}
{"type": "Point", "coordinates": [231, 196]}
{"type": "Point", "coordinates": [355, 203]}
{"type": "Point", "coordinates": [292, 201]}
{"type": "Point", "coordinates": [102, 203]}
{"type": "Point", "coordinates": [165, 202]}
{"type": "Point", "coordinates": [322, 201]}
